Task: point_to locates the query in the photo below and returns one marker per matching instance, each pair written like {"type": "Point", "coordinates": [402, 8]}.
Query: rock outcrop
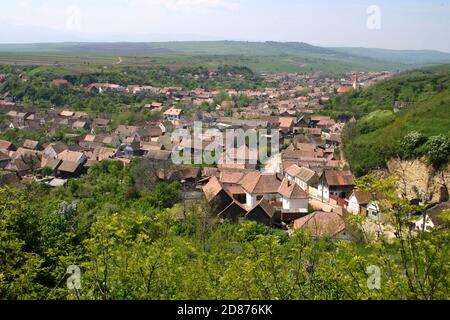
{"type": "Point", "coordinates": [419, 180]}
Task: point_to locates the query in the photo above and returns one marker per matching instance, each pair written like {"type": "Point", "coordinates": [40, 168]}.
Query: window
{"type": "Point", "coordinates": [373, 214]}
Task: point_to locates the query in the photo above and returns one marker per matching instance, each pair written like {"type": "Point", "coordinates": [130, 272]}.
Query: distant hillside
{"type": "Point", "coordinates": [424, 95]}
{"type": "Point", "coordinates": [414, 57]}
{"type": "Point", "coordinates": [262, 56]}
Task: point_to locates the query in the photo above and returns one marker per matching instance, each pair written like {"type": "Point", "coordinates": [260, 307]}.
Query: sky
{"type": "Point", "coordinates": [394, 24]}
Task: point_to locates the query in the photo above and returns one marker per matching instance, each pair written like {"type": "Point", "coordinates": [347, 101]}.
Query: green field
{"type": "Point", "coordinates": [263, 64]}
{"type": "Point", "coordinates": [265, 57]}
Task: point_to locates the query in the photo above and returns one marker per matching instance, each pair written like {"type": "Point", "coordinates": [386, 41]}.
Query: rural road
{"type": "Point", "coordinates": [120, 60]}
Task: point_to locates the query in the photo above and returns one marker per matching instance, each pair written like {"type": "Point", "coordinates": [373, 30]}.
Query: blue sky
{"type": "Point", "coordinates": [403, 24]}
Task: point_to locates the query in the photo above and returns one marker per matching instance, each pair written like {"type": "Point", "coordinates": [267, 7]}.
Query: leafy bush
{"type": "Point", "coordinates": [437, 150]}
{"type": "Point", "coordinates": [410, 144]}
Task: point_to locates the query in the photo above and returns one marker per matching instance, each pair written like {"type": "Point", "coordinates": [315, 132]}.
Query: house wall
{"type": "Point", "coordinates": [295, 204]}
{"type": "Point", "coordinates": [312, 191]}
{"type": "Point", "coordinates": [252, 199]}
{"type": "Point", "coordinates": [172, 117]}
{"type": "Point", "coordinates": [301, 184]}
{"type": "Point", "coordinates": [353, 205]}
{"type": "Point", "coordinates": [50, 153]}
{"type": "Point", "coordinates": [372, 211]}
{"type": "Point", "coordinates": [341, 192]}
{"type": "Point", "coordinates": [424, 223]}
{"type": "Point", "coordinates": [324, 191]}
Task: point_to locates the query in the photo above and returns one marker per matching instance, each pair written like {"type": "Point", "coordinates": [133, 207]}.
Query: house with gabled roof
{"type": "Point", "coordinates": [263, 212]}
{"type": "Point", "coordinates": [67, 113]}
{"type": "Point", "coordinates": [101, 123]}
{"type": "Point", "coordinates": [102, 153]}
{"type": "Point", "coordinates": [324, 224]}
{"type": "Point", "coordinates": [50, 163]}
{"type": "Point", "coordinates": [150, 133]}
{"type": "Point", "coordinates": [23, 165]}
{"type": "Point", "coordinates": [365, 204]}
{"type": "Point", "coordinates": [287, 125]}
{"type": "Point", "coordinates": [54, 149]}
{"type": "Point", "coordinates": [130, 147]}
{"type": "Point", "coordinates": [173, 114]}
{"type": "Point", "coordinates": [7, 147]}
{"type": "Point", "coordinates": [304, 177]}
{"type": "Point", "coordinates": [158, 155]}
{"type": "Point", "coordinates": [336, 185]}
{"type": "Point", "coordinates": [124, 132]}
{"type": "Point", "coordinates": [260, 186]}
{"type": "Point", "coordinates": [31, 145]}
{"type": "Point", "coordinates": [216, 194]}
{"type": "Point", "coordinates": [233, 212]}
{"type": "Point", "coordinates": [80, 125]}
{"type": "Point", "coordinates": [70, 169]}
{"type": "Point", "coordinates": [294, 198]}
{"type": "Point", "coordinates": [72, 156]}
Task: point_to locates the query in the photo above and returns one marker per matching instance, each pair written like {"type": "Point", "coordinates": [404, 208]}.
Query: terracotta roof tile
{"type": "Point", "coordinates": [291, 190]}
{"type": "Point", "coordinates": [321, 224]}
{"type": "Point", "coordinates": [212, 189]}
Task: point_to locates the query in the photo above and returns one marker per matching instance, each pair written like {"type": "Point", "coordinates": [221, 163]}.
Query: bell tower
{"type": "Point", "coordinates": [356, 85]}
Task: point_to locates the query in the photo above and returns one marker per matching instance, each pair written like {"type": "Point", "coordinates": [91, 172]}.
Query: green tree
{"type": "Point", "coordinates": [19, 268]}
{"type": "Point", "coordinates": [438, 150]}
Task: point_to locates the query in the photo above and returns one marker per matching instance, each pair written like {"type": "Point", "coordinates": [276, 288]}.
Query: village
{"type": "Point", "coordinates": [307, 184]}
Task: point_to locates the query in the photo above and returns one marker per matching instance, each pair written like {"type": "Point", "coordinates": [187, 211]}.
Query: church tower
{"type": "Point", "coordinates": [356, 85]}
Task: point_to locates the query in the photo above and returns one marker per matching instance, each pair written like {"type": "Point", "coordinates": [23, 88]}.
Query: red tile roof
{"type": "Point", "coordinates": [291, 190]}
{"type": "Point", "coordinates": [257, 183]}
{"type": "Point", "coordinates": [321, 224]}
{"type": "Point", "coordinates": [339, 178]}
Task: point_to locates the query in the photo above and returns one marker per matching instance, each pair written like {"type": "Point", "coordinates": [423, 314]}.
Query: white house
{"type": "Point", "coordinates": [365, 204]}
{"type": "Point", "coordinates": [54, 149]}
{"type": "Point", "coordinates": [293, 198]}
{"type": "Point", "coordinates": [259, 186]}
{"type": "Point", "coordinates": [339, 184]}
{"type": "Point", "coordinates": [431, 218]}
{"type": "Point", "coordinates": [424, 223]}
{"type": "Point", "coordinates": [306, 178]}
{"type": "Point", "coordinates": [173, 114]}
{"type": "Point", "coordinates": [283, 195]}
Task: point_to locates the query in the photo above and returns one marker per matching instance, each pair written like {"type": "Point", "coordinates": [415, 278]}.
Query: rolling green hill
{"type": "Point", "coordinates": [379, 132]}
{"type": "Point", "coordinates": [415, 57]}
{"type": "Point", "coordinates": [262, 56]}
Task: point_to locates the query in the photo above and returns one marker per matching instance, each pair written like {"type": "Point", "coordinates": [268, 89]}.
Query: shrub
{"type": "Point", "coordinates": [437, 149]}
{"type": "Point", "coordinates": [410, 144]}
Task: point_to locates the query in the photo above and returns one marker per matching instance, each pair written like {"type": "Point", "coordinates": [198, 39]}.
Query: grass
{"type": "Point", "coordinates": [369, 150]}
{"type": "Point", "coordinates": [278, 63]}
{"type": "Point", "coordinates": [376, 136]}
